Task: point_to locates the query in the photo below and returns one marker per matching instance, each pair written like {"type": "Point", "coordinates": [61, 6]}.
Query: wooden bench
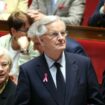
{"type": "Point", "coordinates": [85, 32]}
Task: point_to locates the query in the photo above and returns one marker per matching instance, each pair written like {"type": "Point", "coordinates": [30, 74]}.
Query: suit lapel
{"type": "Point", "coordinates": [46, 78]}
{"type": "Point", "coordinates": [71, 72]}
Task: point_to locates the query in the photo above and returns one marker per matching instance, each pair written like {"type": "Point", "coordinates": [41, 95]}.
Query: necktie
{"type": "Point", "coordinates": [60, 83]}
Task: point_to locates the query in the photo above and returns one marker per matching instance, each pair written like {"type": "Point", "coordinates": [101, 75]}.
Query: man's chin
{"type": "Point", "coordinates": [61, 48]}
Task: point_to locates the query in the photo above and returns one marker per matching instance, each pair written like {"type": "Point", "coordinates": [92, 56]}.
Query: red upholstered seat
{"type": "Point", "coordinates": [96, 51]}
{"type": "Point", "coordinates": [89, 9]}
{"type": "Point", "coordinates": [3, 33]}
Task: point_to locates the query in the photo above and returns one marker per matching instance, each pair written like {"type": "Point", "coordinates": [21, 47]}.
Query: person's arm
{"type": "Point", "coordinates": [94, 94]}
{"type": "Point", "coordinates": [75, 13]}
{"type": "Point", "coordinates": [98, 17]}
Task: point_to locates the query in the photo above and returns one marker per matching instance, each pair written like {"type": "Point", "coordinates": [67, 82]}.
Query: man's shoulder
{"type": "Point", "coordinates": [77, 57]}
{"type": "Point", "coordinates": [5, 37]}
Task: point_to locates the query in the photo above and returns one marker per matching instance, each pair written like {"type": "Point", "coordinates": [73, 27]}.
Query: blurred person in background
{"type": "Point", "coordinates": [7, 86]}
{"type": "Point", "coordinates": [17, 42]}
{"type": "Point", "coordinates": [9, 6]}
{"type": "Point", "coordinates": [98, 17]}
{"type": "Point", "coordinates": [70, 11]}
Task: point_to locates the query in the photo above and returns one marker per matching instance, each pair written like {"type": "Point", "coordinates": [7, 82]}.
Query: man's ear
{"type": "Point", "coordinates": [13, 31]}
{"type": "Point", "coordinates": [40, 41]}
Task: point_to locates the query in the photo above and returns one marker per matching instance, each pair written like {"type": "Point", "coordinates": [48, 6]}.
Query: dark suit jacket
{"type": "Point", "coordinates": [74, 47]}
{"type": "Point", "coordinates": [103, 86]}
{"type": "Point", "coordinates": [97, 19]}
{"type": "Point", "coordinates": [7, 97]}
{"type": "Point", "coordinates": [81, 83]}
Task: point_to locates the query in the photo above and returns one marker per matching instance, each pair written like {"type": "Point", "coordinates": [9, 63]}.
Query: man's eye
{"type": "Point", "coordinates": [55, 34]}
{"type": "Point", "coordinates": [4, 64]}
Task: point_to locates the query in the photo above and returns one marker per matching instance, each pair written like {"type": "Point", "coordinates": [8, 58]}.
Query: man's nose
{"type": "Point", "coordinates": [60, 36]}
{"type": "Point", "coordinates": [1, 68]}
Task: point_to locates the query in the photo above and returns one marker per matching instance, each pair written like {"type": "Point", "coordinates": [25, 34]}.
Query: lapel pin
{"type": "Point", "coordinates": [61, 6]}
{"type": "Point", "coordinates": [45, 79]}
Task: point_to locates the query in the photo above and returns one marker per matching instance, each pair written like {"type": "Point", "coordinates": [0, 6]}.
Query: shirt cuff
{"type": "Point", "coordinates": [102, 10]}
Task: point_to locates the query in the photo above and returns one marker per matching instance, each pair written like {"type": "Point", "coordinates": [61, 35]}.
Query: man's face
{"type": "Point", "coordinates": [22, 31]}
{"type": "Point", "coordinates": [37, 44]}
{"type": "Point", "coordinates": [54, 40]}
{"type": "Point", "coordinates": [4, 69]}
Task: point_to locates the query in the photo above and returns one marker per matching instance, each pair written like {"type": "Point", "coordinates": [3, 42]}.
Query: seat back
{"type": "Point", "coordinates": [89, 9]}
{"type": "Point", "coordinates": [95, 49]}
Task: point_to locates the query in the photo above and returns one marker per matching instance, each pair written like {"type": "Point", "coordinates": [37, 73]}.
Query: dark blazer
{"type": "Point", "coordinates": [81, 83]}
{"type": "Point", "coordinates": [97, 19]}
{"type": "Point", "coordinates": [7, 97]}
{"type": "Point", "coordinates": [74, 47]}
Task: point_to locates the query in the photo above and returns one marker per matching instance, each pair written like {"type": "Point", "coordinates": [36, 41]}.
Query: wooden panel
{"type": "Point", "coordinates": [3, 26]}
{"type": "Point", "coordinates": [85, 32]}
{"type": "Point", "coordinates": [82, 32]}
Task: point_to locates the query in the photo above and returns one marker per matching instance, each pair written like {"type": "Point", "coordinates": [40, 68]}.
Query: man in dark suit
{"type": "Point", "coordinates": [56, 77]}
{"type": "Point", "coordinates": [98, 17]}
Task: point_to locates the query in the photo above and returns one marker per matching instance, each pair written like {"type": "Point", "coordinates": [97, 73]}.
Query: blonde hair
{"type": "Point", "coordinates": [5, 53]}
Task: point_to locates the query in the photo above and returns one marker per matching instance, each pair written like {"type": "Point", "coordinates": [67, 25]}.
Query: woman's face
{"type": "Point", "coordinates": [4, 69]}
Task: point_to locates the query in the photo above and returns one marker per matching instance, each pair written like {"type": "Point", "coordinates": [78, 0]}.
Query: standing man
{"type": "Point", "coordinates": [70, 11]}
{"type": "Point", "coordinates": [56, 77]}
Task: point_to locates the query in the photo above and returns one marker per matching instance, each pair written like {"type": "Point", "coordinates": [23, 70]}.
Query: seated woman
{"type": "Point", "coordinates": [8, 6]}
{"type": "Point", "coordinates": [7, 87]}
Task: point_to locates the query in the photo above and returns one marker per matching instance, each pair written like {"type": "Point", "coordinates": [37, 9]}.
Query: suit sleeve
{"type": "Point", "coordinates": [94, 94]}
{"type": "Point", "coordinates": [97, 19]}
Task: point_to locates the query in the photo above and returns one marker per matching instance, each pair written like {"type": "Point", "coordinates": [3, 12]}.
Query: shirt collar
{"type": "Point", "coordinates": [50, 61]}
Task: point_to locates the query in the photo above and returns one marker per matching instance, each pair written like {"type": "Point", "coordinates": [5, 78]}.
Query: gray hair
{"type": "Point", "coordinates": [5, 53]}
{"type": "Point", "coordinates": [38, 28]}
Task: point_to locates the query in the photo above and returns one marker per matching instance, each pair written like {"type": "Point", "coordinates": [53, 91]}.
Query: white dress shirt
{"type": "Point", "coordinates": [53, 69]}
